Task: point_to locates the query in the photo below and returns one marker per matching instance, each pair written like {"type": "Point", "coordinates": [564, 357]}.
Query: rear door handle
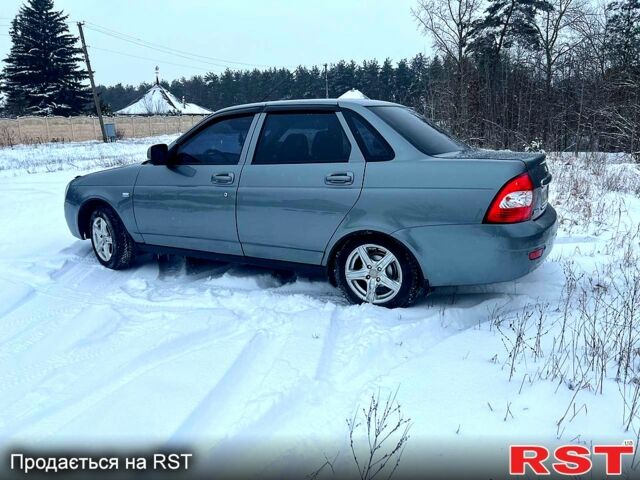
{"type": "Point", "coordinates": [223, 178]}
{"type": "Point", "coordinates": [341, 178]}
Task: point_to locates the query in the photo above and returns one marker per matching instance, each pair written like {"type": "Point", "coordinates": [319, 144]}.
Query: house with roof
{"type": "Point", "coordinates": [160, 101]}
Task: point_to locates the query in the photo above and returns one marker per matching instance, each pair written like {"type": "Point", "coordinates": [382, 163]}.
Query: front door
{"type": "Point", "coordinates": [302, 181]}
{"type": "Point", "coordinates": [191, 203]}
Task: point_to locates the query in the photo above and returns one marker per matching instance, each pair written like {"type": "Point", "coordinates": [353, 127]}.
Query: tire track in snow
{"type": "Point", "coordinates": [218, 397]}
{"type": "Point", "coordinates": [18, 296]}
{"type": "Point", "coordinates": [96, 387]}
{"type": "Point", "coordinates": [265, 383]}
{"type": "Point", "coordinates": [144, 363]}
{"type": "Point", "coordinates": [75, 282]}
{"type": "Point", "coordinates": [328, 348]}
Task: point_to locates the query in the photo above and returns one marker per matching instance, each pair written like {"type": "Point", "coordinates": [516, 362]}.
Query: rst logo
{"type": "Point", "coordinates": [567, 459]}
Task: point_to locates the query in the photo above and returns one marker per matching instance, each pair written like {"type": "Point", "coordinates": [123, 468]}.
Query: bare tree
{"type": "Point", "coordinates": [591, 27]}
{"type": "Point", "coordinates": [450, 24]}
{"type": "Point", "coordinates": [554, 27]}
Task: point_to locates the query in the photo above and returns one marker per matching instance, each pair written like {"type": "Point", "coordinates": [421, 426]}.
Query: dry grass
{"type": "Point", "coordinates": [589, 341]}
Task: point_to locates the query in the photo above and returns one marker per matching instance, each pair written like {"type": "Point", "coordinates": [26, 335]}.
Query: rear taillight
{"type": "Point", "coordinates": [513, 203]}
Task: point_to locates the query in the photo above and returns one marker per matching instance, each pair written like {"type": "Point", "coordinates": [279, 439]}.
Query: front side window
{"type": "Point", "coordinates": [418, 131]}
{"type": "Point", "coordinates": [218, 144]}
{"type": "Point", "coordinates": [304, 137]}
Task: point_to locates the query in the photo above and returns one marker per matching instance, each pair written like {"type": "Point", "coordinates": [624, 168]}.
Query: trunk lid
{"type": "Point", "coordinates": [535, 163]}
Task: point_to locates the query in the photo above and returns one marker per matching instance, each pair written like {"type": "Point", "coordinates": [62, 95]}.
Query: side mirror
{"type": "Point", "coordinates": [158, 154]}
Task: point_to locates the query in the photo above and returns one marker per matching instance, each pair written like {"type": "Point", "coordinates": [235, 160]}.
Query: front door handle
{"type": "Point", "coordinates": [223, 178]}
{"type": "Point", "coordinates": [340, 178]}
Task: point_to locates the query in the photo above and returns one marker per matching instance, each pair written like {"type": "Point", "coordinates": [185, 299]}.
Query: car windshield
{"type": "Point", "coordinates": [416, 129]}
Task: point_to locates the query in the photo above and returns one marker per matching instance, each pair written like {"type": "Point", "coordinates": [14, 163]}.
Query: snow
{"type": "Point", "coordinates": [259, 366]}
{"type": "Point", "coordinates": [353, 94]}
{"type": "Point", "coordinates": [76, 156]}
{"type": "Point", "coordinates": [160, 101]}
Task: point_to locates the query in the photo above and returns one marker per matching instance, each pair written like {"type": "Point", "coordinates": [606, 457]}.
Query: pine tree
{"type": "Point", "coordinates": [342, 77]}
{"type": "Point", "coordinates": [402, 82]}
{"type": "Point", "coordinates": [506, 22]}
{"type": "Point", "coordinates": [42, 76]}
{"type": "Point", "coordinates": [386, 81]}
{"type": "Point", "coordinates": [418, 83]}
{"type": "Point", "coordinates": [369, 78]}
{"type": "Point", "coordinates": [623, 42]}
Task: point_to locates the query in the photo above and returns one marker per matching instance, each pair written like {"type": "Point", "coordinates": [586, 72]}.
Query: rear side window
{"type": "Point", "coordinates": [373, 145]}
{"type": "Point", "coordinates": [418, 131]}
{"type": "Point", "coordinates": [304, 137]}
{"type": "Point", "coordinates": [218, 144]}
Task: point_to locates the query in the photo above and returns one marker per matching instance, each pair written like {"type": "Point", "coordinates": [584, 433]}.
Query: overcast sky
{"type": "Point", "coordinates": [272, 33]}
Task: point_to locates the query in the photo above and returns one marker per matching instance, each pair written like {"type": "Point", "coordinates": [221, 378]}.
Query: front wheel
{"type": "Point", "coordinates": [112, 244]}
{"type": "Point", "coordinates": [378, 271]}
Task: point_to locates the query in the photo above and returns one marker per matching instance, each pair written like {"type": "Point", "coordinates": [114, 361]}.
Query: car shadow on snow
{"type": "Point", "coordinates": [197, 269]}
{"type": "Point", "coordinates": [500, 296]}
{"type": "Point", "coordinates": [543, 284]}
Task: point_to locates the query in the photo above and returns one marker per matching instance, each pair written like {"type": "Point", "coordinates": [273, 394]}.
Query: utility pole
{"type": "Point", "coordinates": [96, 100]}
{"type": "Point", "coordinates": [326, 81]}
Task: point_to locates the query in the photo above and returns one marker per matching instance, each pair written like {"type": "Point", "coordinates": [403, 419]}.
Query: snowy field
{"type": "Point", "coordinates": [246, 363]}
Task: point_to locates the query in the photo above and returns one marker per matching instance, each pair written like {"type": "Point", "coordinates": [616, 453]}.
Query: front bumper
{"type": "Point", "coordinates": [480, 253]}
{"type": "Point", "coordinates": [71, 216]}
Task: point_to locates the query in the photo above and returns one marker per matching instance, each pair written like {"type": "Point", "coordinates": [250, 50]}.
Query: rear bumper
{"type": "Point", "coordinates": [481, 253]}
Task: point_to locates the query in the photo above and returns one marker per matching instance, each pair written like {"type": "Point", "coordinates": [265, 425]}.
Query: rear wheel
{"type": "Point", "coordinates": [112, 244]}
{"type": "Point", "coordinates": [377, 271]}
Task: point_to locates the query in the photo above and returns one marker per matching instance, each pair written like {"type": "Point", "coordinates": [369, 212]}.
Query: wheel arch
{"type": "Point", "coordinates": [86, 209]}
{"type": "Point", "coordinates": [369, 233]}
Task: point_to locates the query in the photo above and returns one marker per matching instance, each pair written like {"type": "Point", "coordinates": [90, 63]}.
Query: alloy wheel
{"type": "Point", "coordinates": [102, 238]}
{"type": "Point", "coordinates": [373, 273]}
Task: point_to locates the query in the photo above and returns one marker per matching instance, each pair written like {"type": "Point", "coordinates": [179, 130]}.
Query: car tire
{"type": "Point", "coordinates": [112, 245]}
{"type": "Point", "coordinates": [390, 282]}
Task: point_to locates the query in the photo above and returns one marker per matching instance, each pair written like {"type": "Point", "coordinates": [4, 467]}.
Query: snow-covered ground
{"type": "Point", "coordinates": [76, 156]}
{"type": "Point", "coordinates": [255, 366]}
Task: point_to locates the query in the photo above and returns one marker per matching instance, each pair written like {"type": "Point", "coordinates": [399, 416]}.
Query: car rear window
{"type": "Point", "coordinates": [302, 137]}
{"type": "Point", "coordinates": [417, 130]}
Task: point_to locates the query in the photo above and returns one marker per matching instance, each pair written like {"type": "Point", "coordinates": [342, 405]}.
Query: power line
{"type": "Point", "coordinates": [166, 50]}
{"type": "Point", "coordinates": [154, 46]}
{"type": "Point", "coordinates": [161, 50]}
{"type": "Point", "coordinates": [152, 60]}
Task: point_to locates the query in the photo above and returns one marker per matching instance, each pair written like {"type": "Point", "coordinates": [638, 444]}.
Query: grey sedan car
{"type": "Point", "coordinates": [376, 197]}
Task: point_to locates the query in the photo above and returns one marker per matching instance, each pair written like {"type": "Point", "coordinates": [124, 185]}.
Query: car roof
{"type": "Point", "coordinates": [307, 102]}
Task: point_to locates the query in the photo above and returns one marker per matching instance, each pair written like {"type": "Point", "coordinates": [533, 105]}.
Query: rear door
{"type": "Point", "coordinates": [304, 175]}
{"type": "Point", "coordinates": [191, 203]}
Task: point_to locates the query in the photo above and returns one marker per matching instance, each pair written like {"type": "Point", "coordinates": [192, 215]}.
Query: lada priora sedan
{"type": "Point", "coordinates": [370, 192]}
